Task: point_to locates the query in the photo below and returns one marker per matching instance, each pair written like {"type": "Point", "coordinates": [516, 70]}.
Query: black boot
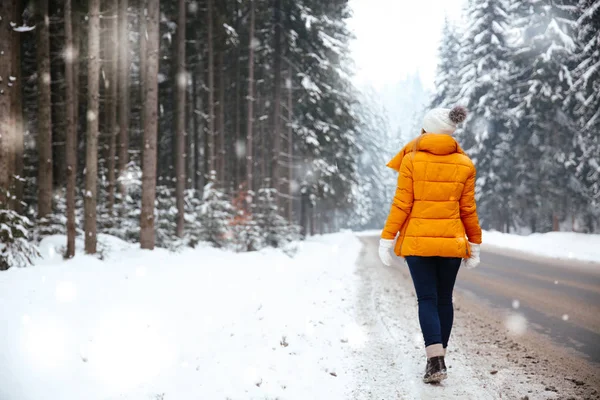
{"type": "Point", "coordinates": [435, 371]}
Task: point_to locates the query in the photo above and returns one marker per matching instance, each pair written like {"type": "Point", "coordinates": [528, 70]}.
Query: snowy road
{"type": "Point", "coordinates": [494, 353]}
{"type": "Point", "coordinates": [559, 299]}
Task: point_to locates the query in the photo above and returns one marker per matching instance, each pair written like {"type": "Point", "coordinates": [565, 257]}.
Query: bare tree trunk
{"type": "Point", "coordinates": [143, 59]}
{"type": "Point", "coordinates": [91, 162]}
{"type": "Point", "coordinates": [71, 134]}
{"type": "Point", "coordinates": [147, 235]}
{"type": "Point", "coordinates": [8, 10]}
{"type": "Point", "coordinates": [200, 137]}
{"type": "Point", "coordinates": [277, 100]}
{"type": "Point", "coordinates": [250, 98]}
{"type": "Point", "coordinates": [211, 89]}
{"type": "Point", "coordinates": [290, 191]}
{"type": "Point", "coordinates": [111, 97]}
{"type": "Point", "coordinates": [191, 135]}
{"type": "Point", "coordinates": [17, 101]}
{"type": "Point", "coordinates": [180, 137]}
{"type": "Point", "coordinates": [76, 61]}
{"type": "Point", "coordinates": [221, 118]}
{"type": "Point", "coordinates": [237, 143]}
{"type": "Point", "coordinates": [123, 91]}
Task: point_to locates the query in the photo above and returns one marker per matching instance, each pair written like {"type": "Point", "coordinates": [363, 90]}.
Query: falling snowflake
{"type": "Point", "coordinates": [69, 54]}
{"type": "Point", "coordinates": [182, 79]}
{"type": "Point", "coordinates": [193, 7]}
{"type": "Point", "coordinates": [516, 324]}
{"type": "Point", "coordinates": [565, 317]}
{"type": "Point", "coordinates": [255, 43]}
{"type": "Point", "coordinates": [91, 116]}
{"type": "Point", "coordinates": [516, 304]}
{"type": "Point", "coordinates": [240, 149]}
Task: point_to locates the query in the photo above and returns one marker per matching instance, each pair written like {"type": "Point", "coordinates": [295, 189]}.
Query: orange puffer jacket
{"type": "Point", "coordinates": [434, 206]}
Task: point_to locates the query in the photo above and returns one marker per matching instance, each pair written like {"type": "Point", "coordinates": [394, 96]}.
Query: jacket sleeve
{"type": "Point", "coordinates": [468, 210]}
{"type": "Point", "coordinates": [403, 200]}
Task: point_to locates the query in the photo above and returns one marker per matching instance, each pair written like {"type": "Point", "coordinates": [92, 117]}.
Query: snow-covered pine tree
{"type": "Point", "coordinates": [216, 214]}
{"type": "Point", "coordinates": [275, 229]}
{"type": "Point", "coordinates": [483, 58]}
{"type": "Point", "coordinates": [543, 127]}
{"type": "Point", "coordinates": [586, 99]}
{"type": "Point", "coordinates": [447, 81]}
{"type": "Point", "coordinates": [16, 249]}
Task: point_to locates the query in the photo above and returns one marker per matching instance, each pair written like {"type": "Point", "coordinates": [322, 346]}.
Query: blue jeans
{"type": "Point", "coordinates": [434, 279]}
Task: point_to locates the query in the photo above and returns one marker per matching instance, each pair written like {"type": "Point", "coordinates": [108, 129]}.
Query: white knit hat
{"type": "Point", "coordinates": [444, 120]}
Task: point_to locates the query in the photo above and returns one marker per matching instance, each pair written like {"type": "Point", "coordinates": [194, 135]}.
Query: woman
{"type": "Point", "coordinates": [435, 217]}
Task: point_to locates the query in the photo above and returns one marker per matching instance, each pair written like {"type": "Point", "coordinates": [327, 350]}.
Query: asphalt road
{"type": "Point", "coordinates": [560, 300]}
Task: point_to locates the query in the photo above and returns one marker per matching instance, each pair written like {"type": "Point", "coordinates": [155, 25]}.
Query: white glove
{"type": "Point", "coordinates": [474, 260]}
{"type": "Point", "coordinates": [385, 254]}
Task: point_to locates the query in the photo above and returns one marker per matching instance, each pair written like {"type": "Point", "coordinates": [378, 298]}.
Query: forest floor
{"type": "Point", "coordinates": [324, 320]}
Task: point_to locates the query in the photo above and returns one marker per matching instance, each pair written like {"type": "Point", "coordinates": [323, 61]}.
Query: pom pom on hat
{"type": "Point", "coordinates": [458, 114]}
{"type": "Point", "coordinates": [444, 120]}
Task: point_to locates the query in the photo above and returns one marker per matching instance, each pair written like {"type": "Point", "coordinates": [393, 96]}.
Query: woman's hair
{"type": "Point", "coordinates": [417, 143]}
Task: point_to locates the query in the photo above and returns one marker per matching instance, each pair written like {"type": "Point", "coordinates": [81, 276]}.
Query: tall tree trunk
{"type": "Point", "coordinates": [143, 60]}
{"type": "Point", "coordinates": [201, 139]}
{"type": "Point", "coordinates": [221, 117]}
{"type": "Point", "coordinates": [191, 135]}
{"type": "Point", "coordinates": [123, 91]}
{"type": "Point", "coordinates": [76, 61]}
{"type": "Point", "coordinates": [91, 154]}
{"type": "Point", "coordinates": [147, 235]}
{"type": "Point", "coordinates": [71, 134]}
{"type": "Point", "coordinates": [277, 100]}
{"type": "Point", "coordinates": [111, 97]}
{"type": "Point", "coordinates": [250, 98]}
{"type": "Point", "coordinates": [290, 191]}
{"type": "Point", "coordinates": [237, 160]}
{"type": "Point", "coordinates": [180, 137]}
{"type": "Point", "coordinates": [8, 41]}
{"type": "Point", "coordinates": [211, 88]}
{"type": "Point", "coordinates": [17, 101]}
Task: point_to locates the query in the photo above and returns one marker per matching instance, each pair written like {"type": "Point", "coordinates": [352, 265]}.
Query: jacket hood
{"type": "Point", "coordinates": [438, 144]}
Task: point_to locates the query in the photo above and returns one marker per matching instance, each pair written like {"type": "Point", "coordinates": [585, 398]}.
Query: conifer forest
{"type": "Point", "coordinates": [236, 122]}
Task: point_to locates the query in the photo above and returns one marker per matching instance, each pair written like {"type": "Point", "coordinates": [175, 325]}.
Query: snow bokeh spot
{"type": "Point", "coordinates": [516, 304]}
{"type": "Point", "coordinates": [565, 317]}
{"type": "Point", "coordinates": [46, 78]}
{"type": "Point", "coordinates": [69, 54]}
{"type": "Point", "coordinates": [193, 7]}
{"type": "Point", "coordinates": [255, 43]}
{"type": "Point", "coordinates": [91, 116]}
{"type": "Point", "coordinates": [65, 292]}
{"type": "Point", "coordinates": [240, 149]}
{"type": "Point", "coordinates": [182, 79]}
{"type": "Point", "coordinates": [516, 324]}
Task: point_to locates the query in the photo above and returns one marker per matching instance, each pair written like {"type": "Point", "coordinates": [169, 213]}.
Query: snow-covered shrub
{"type": "Point", "coordinates": [247, 235]}
{"type": "Point", "coordinates": [15, 248]}
{"type": "Point", "coordinates": [166, 218]}
{"type": "Point", "coordinates": [276, 231]}
{"type": "Point", "coordinates": [56, 222]}
{"type": "Point", "coordinates": [128, 208]}
{"type": "Point", "coordinates": [216, 214]}
{"type": "Point", "coordinates": [193, 221]}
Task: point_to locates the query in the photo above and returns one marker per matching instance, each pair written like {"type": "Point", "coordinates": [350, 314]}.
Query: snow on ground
{"type": "Point", "coordinates": [561, 245]}
{"type": "Point", "coordinates": [200, 324]}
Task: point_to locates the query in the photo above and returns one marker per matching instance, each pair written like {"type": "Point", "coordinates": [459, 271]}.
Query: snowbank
{"type": "Point", "coordinates": [561, 245]}
{"type": "Point", "coordinates": [200, 324]}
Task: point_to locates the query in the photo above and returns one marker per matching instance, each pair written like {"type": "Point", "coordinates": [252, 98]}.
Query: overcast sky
{"type": "Point", "coordinates": [398, 37]}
